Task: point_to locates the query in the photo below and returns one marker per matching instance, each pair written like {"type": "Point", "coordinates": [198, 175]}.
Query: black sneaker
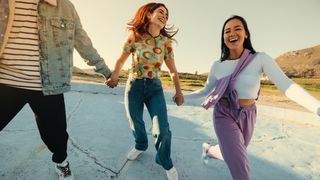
{"type": "Point", "coordinates": [64, 173]}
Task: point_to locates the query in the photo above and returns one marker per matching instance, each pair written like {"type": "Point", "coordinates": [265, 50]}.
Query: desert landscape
{"type": "Point", "coordinates": [284, 145]}
{"type": "Point", "coordinates": [302, 66]}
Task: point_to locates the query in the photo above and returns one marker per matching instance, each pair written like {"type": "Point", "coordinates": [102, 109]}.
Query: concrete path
{"type": "Point", "coordinates": [286, 143]}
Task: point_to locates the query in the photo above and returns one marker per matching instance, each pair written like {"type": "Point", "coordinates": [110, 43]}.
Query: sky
{"type": "Point", "coordinates": [276, 26]}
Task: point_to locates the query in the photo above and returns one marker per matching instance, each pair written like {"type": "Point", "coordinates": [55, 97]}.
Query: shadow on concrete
{"type": "Point", "coordinates": [100, 138]}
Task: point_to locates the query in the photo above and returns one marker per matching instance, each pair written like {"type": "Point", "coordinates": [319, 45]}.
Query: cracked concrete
{"type": "Point", "coordinates": [285, 143]}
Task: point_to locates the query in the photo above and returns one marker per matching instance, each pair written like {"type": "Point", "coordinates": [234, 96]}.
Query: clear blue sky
{"type": "Point", "coordinates": [276, 26]}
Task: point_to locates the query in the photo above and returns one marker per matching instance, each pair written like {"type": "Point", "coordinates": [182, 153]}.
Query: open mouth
{"type": "Point", "coordinates": [233, 40]}
{"type": "Point", "coordinates": [162, 20]}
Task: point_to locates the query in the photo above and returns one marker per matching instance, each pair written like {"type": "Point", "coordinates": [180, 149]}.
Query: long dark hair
{"type": "Point", "coordinates": [140, 23]}
{"type": "Point", "coordinates": [225, 52]}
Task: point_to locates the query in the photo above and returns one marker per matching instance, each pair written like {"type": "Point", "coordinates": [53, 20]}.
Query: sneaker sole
{"type": "Point", "coordinates": [204, 158]}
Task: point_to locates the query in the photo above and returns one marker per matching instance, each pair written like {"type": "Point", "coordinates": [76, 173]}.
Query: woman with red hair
{"type": "Point", "coordinates": [150, 44]}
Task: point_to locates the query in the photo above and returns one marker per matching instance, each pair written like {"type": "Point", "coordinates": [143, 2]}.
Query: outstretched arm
{"type": "Point", "coordinates": [205, 91]}
{"type": "Point", "coordinates": [288, 87]}
{"type": "Point", "coordinates": [114, 79]}
{"type": "Point", "coordinates": [84, 46]}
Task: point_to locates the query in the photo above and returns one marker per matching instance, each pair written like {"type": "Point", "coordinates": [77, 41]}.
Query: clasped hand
{"type": "Point", "coordinates": [112, 82]}
{"type": "Point", "coordinates": [178, 99]}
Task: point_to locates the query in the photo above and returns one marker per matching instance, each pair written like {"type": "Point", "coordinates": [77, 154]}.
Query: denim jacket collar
{"type": "Point", "coordinates": [51, 2]}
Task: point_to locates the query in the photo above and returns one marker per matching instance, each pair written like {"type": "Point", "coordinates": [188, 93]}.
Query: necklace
{"type": "Point", "coordinates": [235, 58]}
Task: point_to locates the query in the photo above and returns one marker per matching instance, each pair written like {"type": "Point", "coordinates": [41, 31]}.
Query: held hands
{"type": "Point", "coordinates": [112, 82]}
{"type": "Point", "coordinates": [178, 99]}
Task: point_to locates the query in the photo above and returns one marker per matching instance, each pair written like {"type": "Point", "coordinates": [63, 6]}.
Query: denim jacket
{"type": "Point", "coordinates": [60, 31]}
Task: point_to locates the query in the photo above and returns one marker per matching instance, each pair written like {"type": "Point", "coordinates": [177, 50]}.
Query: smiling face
{"type": "Point", "coordinates": [234, 35]}
{"type": "Point", "coordinates": [159, 17]}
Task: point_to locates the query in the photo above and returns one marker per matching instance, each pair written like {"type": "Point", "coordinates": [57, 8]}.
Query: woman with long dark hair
{"type": "Point", "coordinates": [150, 43]}
{"type": "Point", "coordinates": [232, 88]}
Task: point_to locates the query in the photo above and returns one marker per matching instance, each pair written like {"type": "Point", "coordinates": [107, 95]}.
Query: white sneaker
{"type": "Point", "coordinates": [209, 151]}
{"type": "Point", "coordinates": [64, 172]}
{"type": "Point", "coordinates": [172, 174]}
{"type": "Point", "coordinates": [133, 154]}
{"type": "Point", "coordinates": [204, 155]}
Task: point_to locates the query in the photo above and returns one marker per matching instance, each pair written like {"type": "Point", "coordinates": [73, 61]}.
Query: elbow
{"type": "Point", "coordinates": [174, 74]}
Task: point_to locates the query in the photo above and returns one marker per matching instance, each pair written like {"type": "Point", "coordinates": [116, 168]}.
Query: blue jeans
{"type": "Point", "coordinates": [149, 92]}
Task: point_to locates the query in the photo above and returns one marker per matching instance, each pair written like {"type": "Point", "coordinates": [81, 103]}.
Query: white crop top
{"type": "Point", "coordinates": [248, 81]}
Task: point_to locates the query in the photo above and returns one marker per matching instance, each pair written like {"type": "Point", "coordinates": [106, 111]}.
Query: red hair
{"type": "Point", "coordinates": [139, 24]}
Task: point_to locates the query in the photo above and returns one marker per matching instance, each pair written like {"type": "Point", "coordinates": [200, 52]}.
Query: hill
{"type": "Point", "coordinates": [304, 63]}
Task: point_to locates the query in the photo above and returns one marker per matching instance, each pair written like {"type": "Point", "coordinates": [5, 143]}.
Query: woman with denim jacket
{"type": "Point", "coordinates": [150, 43]}
{"type": "Point", "coordinates": [235, 112]}
{"type": "Point", "coordinates": [37, 39]}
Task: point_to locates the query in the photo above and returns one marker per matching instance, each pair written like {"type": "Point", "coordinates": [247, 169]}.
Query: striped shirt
{"type": "Point", "coordinates": [20, 63]}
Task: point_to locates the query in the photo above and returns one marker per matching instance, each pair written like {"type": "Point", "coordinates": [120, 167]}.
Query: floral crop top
{"type": "Point", "coordinates": [148, 54]}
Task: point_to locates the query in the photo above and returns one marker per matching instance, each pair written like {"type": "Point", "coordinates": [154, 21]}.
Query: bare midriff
{"type": "Point", "coordinates": [246, 102]}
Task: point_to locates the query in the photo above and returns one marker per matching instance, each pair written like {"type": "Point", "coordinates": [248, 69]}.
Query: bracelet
{"type": "Point", "coordinates": [175, 96]}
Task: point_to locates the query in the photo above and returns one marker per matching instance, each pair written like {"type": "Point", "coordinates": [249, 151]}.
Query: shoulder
{"type": "Point", "coordinates": [133, 36]}
{"type": "Point", "coordinates": [214, 67]}
{"type": "Point", "coordinates": [130, 34]}
{"type": "Point", "coordinates": [265, 61]}
{"type": "Point", "coordinates": [167, 42]}
{"type": "Point", "coordinates": [216, 64]}
{"type": "Point", "coordinates": [65, 3]}
{"type": "Point", "coordinates": [262, 56]}
{"type": "Point", "coordinates": [66, 8]}
{"type": "Point", "coordinates": [166, 39]}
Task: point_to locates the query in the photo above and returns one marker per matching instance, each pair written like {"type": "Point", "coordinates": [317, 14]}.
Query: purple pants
{"type": "Point", "coordinates": [234, 129]}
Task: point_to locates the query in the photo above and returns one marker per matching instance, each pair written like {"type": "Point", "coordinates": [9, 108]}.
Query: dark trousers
{"type": "Point", "coordinates": [49, 113]}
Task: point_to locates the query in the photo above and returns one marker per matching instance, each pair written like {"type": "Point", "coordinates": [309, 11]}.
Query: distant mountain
{"type": "Point", "coordinates": [301, 63]}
